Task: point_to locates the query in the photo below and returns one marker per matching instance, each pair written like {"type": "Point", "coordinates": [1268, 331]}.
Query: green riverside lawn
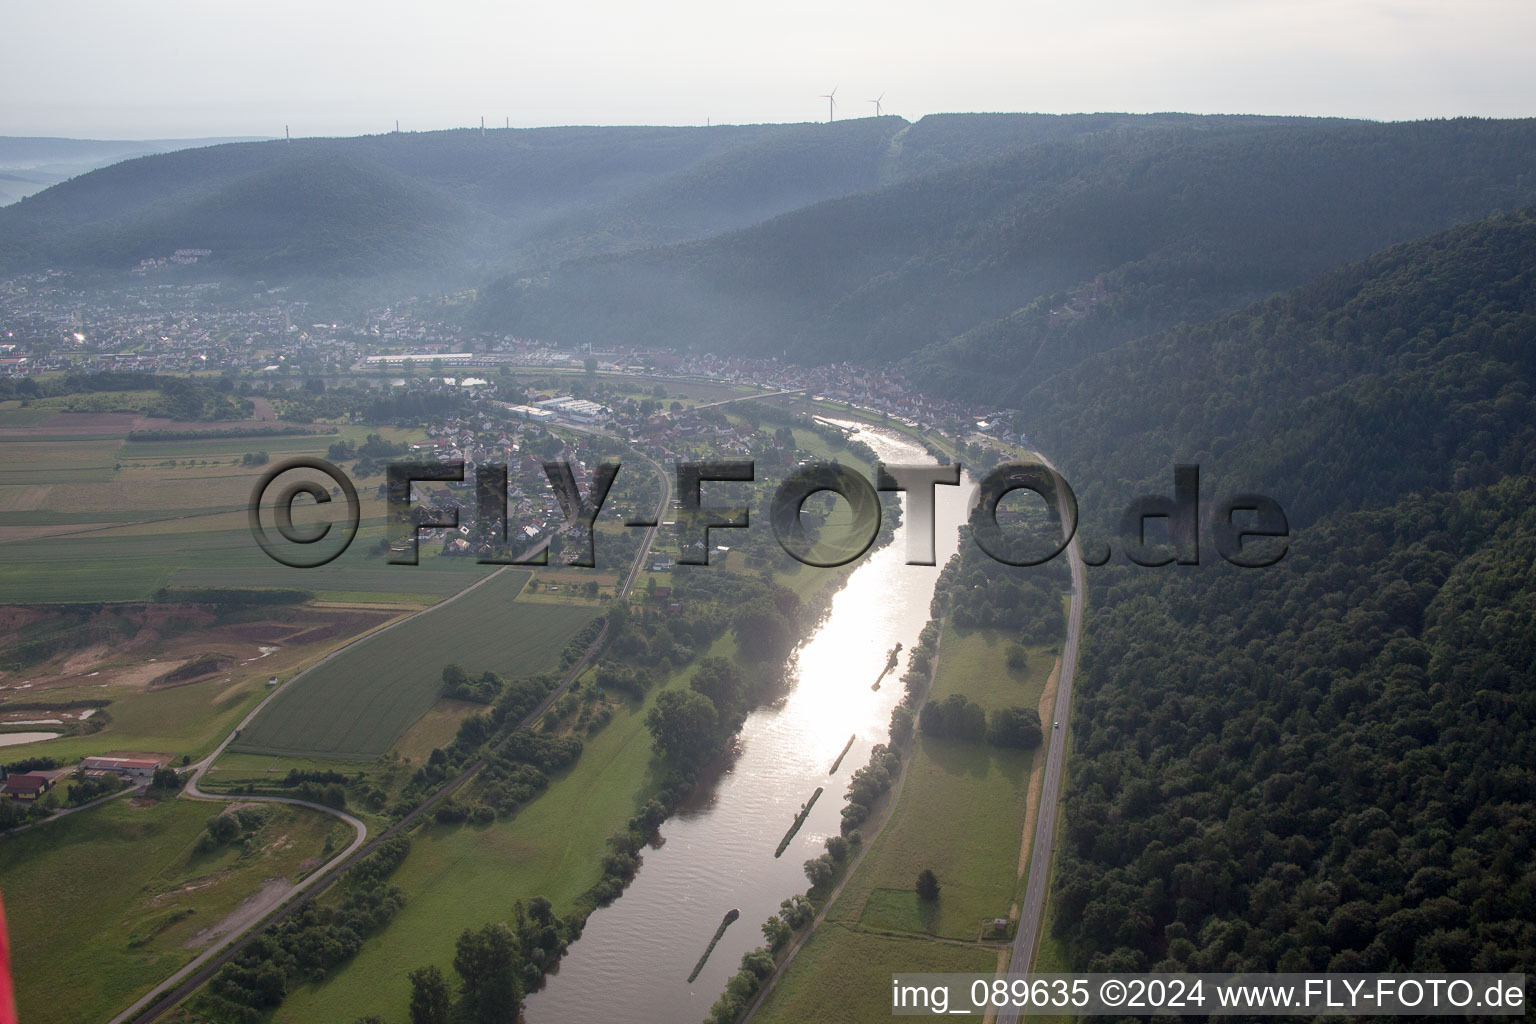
{"type": "Point", "coordinates": [961, 813]}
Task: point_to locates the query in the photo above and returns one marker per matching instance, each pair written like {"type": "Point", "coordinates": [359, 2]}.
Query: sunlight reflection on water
{"type": "Point", "coordinates": [633, 960]}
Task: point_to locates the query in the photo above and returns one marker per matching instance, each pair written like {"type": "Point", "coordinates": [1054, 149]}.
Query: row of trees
{"type": "Point", "coordinates": [959, 717]}
{"type": "Point", "coordinates": [308, 944]}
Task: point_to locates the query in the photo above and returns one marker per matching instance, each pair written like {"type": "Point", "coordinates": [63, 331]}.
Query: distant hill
{"type": "Point", "coordinates": [498, 200]}
{"type": "Point", "coordinates": [29, 165]}
{"type": "Point", "coordinates": [505, 202]}
{"type": "Point", "coordinates": [976, 270]}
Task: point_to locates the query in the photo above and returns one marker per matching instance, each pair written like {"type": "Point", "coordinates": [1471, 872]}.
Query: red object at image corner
{"type": "Point", "coordinates": [7, 993]}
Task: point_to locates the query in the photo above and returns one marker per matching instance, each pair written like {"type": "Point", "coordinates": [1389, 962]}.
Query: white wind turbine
{"type": "Point", "coordinates": [830, 97]}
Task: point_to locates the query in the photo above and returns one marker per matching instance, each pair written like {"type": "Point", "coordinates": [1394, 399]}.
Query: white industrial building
{"type": "Point", "coordinates": [577, 409]}
{"type": "Point", "coordinates": [423, 360]}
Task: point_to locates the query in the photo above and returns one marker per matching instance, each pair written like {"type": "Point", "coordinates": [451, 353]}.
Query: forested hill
{"type": "Point", "coordinates": [459, 207]}
{"type": "Point", "coordinates": [1409, 371]}
{"type": "Point", "coordinates": [1328, 763]}
{"type": "Point", "coordinates": [999, 271]}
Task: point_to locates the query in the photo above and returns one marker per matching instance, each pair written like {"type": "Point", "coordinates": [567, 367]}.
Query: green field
{"type": "Point", "coordinates": [465, 876]}
{"type": "Point", "coordinates": [843, 976]}
{"type": "Point", "coordinates": [961, 813]}
{"type": "Point", "coordinates": [358, 703]}
{"type": "Point", "coordinates": [102, 904]}
{"type": "Point", "coordinates": [962, 806]}
{"type": "Point", "coordinates": [177, 720]}
{"type": "Point", "coordinates": [146, 515]}
{"type": "Point", "coordinates": [12, 415]}
{"type": "Point", "coordinates": [264, 770]}
{"type": "Point", "coordinates": [131, 563]}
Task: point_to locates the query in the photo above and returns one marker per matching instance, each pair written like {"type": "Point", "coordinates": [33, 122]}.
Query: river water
{"type": "Point", "coordinates": [633, 960]}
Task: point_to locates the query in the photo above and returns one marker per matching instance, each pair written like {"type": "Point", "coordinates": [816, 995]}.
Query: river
{"type": "Point", "coordinates": [717, 853]}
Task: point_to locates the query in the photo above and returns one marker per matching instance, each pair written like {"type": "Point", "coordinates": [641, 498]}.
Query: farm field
{"type": "Point", "coordinates": [106, 936]}
{"type": "Point", "coordinates": [357, 704]}
{"type": "Point", "coordinates": [434, 729]}
{"type": "Point", "coordinates": [87, 516]}
{"type": "Point", "coordinates": [465, 876]}
{"type": "Point", "coordinates": [133, 561]}
{"type": "Point", "coordinates": [142, 663]}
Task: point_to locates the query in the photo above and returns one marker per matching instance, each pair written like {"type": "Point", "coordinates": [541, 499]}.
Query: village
{"type": "Point", "coordinates": [52, 325]}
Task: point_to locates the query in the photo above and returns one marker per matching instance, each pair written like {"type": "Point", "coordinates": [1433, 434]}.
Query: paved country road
{"type": "Point", "coordinates": [1032, 914]}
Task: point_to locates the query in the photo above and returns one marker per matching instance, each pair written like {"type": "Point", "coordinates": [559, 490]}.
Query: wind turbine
{"type": "Point", "coordinates": [876, 102]}
{"type": "Point", "coordinates": [831, 104]}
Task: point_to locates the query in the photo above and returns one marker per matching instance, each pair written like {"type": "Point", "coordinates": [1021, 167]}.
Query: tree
{"type": "Point", "coordinates": [489, 968]}
{"type": "Point", "coordinates": [927, 885]}
{"type": "Point", "coordinates": [820, 871]}
{"type": "Point", "coordinates": [718, 679]}
{"type": "Point", "coordinates": [590, 364]}
{"type": "Point", "coordinates": [437, 366]}
{"type": "Point", "coordinates": [762, 632]}
{"type": "Point", "coordinates": [165, 778]}
{"type": "Point", "coordinates": [682, 722]}
{"type": "Point", "coordinates": [777, 931]}
{"type": "Point", "coordinates": [431, 998]}
{"type": "Point", "coordinates": [956, 716]}
{"type": "Point", "coordinates": [1017, 727]}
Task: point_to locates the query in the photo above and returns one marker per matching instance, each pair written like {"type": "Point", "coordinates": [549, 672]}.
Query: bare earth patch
{"type": "Point", "coordinates": [272, 892]}
{"type": "Point", "coordinates": [192, 885]}
{"type": "Point", "coordinates": [84, 661]}
{"type": "Point", "coordinates": [169, 637]}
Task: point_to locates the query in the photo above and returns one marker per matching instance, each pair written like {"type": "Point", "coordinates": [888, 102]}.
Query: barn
{"type": "Point", "coordinates": [25, 787]}
{"type": "Point", "coordinates": [127, 767]}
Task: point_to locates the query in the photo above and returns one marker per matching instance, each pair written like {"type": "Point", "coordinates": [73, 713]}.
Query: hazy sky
{"type": "Point", "coordinates": [182, 68]}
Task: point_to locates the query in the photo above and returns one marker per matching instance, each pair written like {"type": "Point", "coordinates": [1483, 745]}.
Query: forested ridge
{"type": "Point", "coordinates": [1326, 764]}
{"type": "Point", "coordinates": [460, 207]}
{"type": "Point", "coordinates": [993, 274]}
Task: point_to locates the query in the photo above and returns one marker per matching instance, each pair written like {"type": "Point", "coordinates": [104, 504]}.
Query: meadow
{"type": "Point", "coordinates": [843, 976]}
{"type": "Point", "coordinates": [358, 703]}
{"type": "Point", "coordinates": [465, 876]}
{"type": "Point", "coordinates": [961, 812]}
{"type": "Point", "coordinates": [102, 904]}
{"type": "Point", "coordinates": [181, 720]}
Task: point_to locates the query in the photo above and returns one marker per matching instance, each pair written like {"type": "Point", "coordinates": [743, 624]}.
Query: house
{"type": "Point", "coordinates": [26, 787]}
